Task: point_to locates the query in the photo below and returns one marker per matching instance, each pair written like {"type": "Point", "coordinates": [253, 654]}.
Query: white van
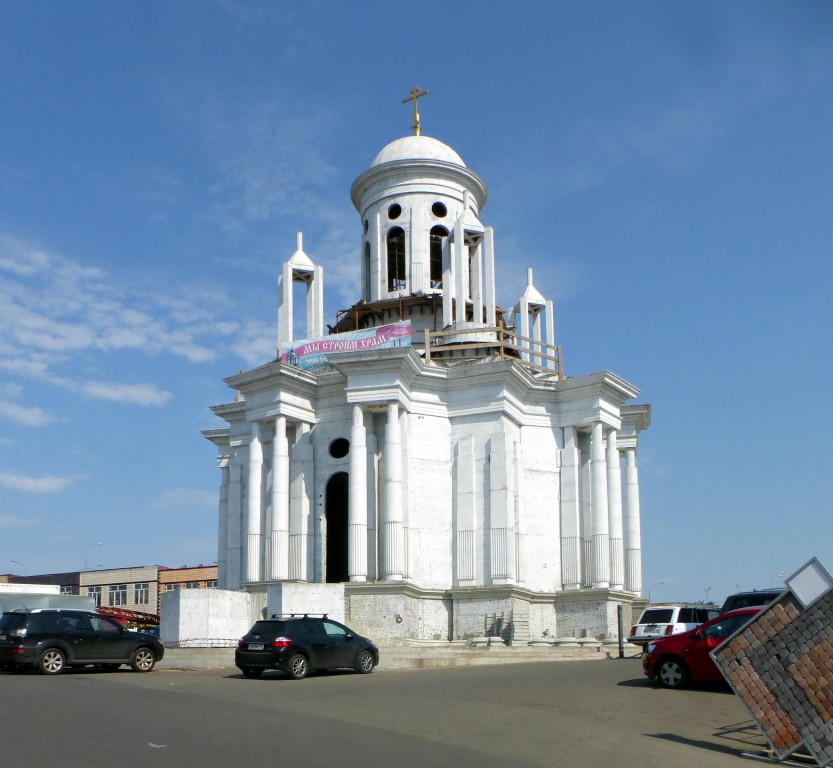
{"type": "Point", "coordinates": [664, 619]}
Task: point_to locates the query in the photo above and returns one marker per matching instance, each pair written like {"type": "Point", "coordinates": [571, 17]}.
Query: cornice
{"type": "Point", "coordinates": [416, 170]}
{"type": "Point", "coordinates": [265, 374]}
{"type": "Point", "coordinates": [392, 588]}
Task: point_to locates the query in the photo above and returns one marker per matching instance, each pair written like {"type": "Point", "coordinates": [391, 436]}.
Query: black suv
{"type": "Point", "coordinates": [52, 639]}
{"type": "Point", "coordinates": [299, 645]}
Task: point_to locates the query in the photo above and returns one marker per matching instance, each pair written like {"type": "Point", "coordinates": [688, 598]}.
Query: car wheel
{"type": "Point", "coordinates": [364, 663]}
{"type": "Point", "coordinates": [52, 661]}
{"type": "Point", "coordinates": [672, 673]}
{"type": "Point", "coordinates": [142, 660]}
{"type": "Point", "coordinates": [298, 667]}
{"type": "Point", "coordinates": [252, 672]}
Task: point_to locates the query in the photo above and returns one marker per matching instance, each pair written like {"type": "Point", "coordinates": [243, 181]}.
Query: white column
{"type": "Point", "coordinates": [372, 502]}
{"type": "Point", "coordinates": [222, 535]}
{"type": "Point", "coordinates": [279, 556]}
{"type": "Point", "coordinates": [285, 311]}
{"type": "Point", "coordinates": [550, 335]}
{"type": "Point", "coordinates": [315, 304]}
{"type": "Point", "coordinates": [448, 282]}
{"type": "Point", "coordinates": [301, 481]}
{"type": "Point", "coordinates": [394, 529]}
{"type": "Point", "coordinates": [571, 544]}
{"type": "Point", "coordinates": [357, 499]}
{"type": "Point", "coordinates": [633, 545]}
{"type": "Point", "coordinates": [614, 510]}
{"type": "Point", "coordinates": [523, 312]}
{"type": "Point", "coordinates": [235, 504]}
{"type": "Point", "coordinates": [460, 272]}
{"type": "Point", "coordinates": [489, 276]}
{"type": "Point", "coordinates": [378, 256]}
{"type": "Point", "coordinates": [255, 505]}
{"type": "Point", "coordinates": [600, 531]}
{"type": "Point", "coordinates": [476, 283]}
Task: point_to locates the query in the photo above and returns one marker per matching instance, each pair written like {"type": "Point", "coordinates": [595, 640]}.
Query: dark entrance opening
{"type": "Point", "coordinates": [336, 544]}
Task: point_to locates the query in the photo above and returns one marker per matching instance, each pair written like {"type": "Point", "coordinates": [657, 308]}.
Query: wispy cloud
{"type": "Point", "coordinates": [46, 484]}
{"type": "Point", "coordinates": [257, 343]}
{"type": "Point", "coordinates": [57, 315]}
{"type": "Point", "coordinates": [14, 521]}
{"type": "Point", "coordinates": [268, 156]}
{"type": "Point", "coordinates": [138, 394]}
{"type": "Point", "coordinates": [28, 417]}
{"type": "Point", "coordinates": [186, 497]}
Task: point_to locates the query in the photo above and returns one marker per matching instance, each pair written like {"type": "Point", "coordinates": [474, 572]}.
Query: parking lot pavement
{"type": "Point", "coordinates": [571, 713]}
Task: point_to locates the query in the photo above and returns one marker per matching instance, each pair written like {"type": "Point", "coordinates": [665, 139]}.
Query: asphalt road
{"type": "Point", "coordinates": [580, 714]}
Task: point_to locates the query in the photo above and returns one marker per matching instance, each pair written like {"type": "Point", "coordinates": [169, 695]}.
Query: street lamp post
{"type": "Point", "coordinates": [17, 562]}
{"type": "Point", "coordinates": [86, 549]}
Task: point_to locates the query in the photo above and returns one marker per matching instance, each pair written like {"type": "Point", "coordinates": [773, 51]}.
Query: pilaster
{"type": "Point", "coordinates": [394, 532]}
{"type": "Point", "coordinates": [571, 545]}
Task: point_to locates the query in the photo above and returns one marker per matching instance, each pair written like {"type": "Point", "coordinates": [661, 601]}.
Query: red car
{"type": "Point", "coordinates": [677, 660]}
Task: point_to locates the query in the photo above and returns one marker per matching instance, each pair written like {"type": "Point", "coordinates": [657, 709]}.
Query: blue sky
{"type": "Point", "coordinates": [664, 167]}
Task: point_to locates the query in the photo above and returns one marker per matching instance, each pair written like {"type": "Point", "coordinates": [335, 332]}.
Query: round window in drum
{"type": "Point", "coordinates": [339, 448]}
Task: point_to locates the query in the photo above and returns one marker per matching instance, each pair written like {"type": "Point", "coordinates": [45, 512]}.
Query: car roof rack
{"type": "Point", "coordinates": [299, 616]}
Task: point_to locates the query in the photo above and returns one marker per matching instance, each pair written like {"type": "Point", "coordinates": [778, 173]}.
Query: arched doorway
{"type": "Point", "coordinates": [336, 544]}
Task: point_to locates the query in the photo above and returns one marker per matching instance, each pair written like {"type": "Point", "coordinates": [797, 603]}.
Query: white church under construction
{"type": "Point", "coordinates": [426, 469]}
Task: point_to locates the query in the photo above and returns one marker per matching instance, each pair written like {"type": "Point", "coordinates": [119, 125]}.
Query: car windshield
{"type": "Point", "coordinates": [657, 616]}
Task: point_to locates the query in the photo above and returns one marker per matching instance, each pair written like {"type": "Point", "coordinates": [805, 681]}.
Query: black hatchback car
{"type": "Point", "coordinates": [299, 645]}
{"type": "Point", "coordinates": [52, 639]}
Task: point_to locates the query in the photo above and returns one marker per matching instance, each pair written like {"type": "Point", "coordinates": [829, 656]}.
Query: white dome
{"type": "Point", "coordinates": [417, 148]}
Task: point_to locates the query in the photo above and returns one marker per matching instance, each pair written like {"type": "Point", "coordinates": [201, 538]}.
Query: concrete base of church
{"type": "Point", "coordinates": [396, 613]}
{"type": "Point", "coordinates": [202, 618]}
{"type": "Point", "coordinates": [595, 613]}
{"type": "Point", "coordinates": [284, 598]}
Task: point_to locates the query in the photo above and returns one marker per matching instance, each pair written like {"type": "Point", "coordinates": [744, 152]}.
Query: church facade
{"type": "Point", "coordinates": [429, 455]}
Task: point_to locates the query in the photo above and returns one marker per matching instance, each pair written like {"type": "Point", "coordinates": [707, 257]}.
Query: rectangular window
{"type": "Point", "coordinates": [192, 585]}
{"type": "Point", "coordinates": [141, 593]}
{"type": "Point", "coordinates": [95, 593]}
{"type": "Point", "coordinates": [211, 584]}
{"type": "Point", "coordinates": [118, 594]}
{"type": "Point", "coordinates": [171, 587]}
{"type": "Point", "coordinates": [66, 589]}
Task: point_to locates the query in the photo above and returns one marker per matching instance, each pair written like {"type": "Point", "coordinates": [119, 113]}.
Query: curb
{"type": "Point", "coordinates": [404, 657]}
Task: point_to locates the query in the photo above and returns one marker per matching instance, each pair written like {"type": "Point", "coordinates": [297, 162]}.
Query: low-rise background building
{"type": "Point", "coordinates": [124, 591]}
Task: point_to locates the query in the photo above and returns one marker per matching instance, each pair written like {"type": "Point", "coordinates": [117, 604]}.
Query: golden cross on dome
{"type": "Point", "coordinates": [415, 94]}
